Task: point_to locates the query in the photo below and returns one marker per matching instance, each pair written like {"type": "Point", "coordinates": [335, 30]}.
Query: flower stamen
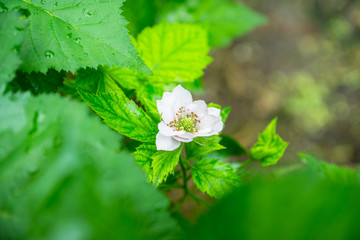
{"type": "Point", "coordinates": [184, 121]}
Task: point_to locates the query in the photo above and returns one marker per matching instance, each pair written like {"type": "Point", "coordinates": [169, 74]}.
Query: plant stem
{"type": "Point", "coordinates": [245, 164]}
{"type": "Point", "coordinates": [169, 186]}
{"type": "Point", "coordinates": [198, 200]}
{"type": "Point", "coordinates": [183, 169]}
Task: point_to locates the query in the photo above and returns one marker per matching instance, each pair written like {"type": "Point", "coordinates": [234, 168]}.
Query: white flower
{"type": "Point", "coordinates": [183, 119]}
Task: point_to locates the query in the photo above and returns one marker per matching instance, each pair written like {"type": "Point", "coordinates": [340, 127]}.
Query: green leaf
{"type": "Point", "coordinates": [233, 147]}
{"type": "Point", "coordinates": [180, 52]}
{"type": "Point", "coordinates": [143, 158]}
{"type": "Point", "coordinates": [67, 35]}
{"type": "Point", "coordinates": [11, 34]}
{"type": "Point", "coordinates": [37, 82]}
{"type": "Point", "coordinates": [214, 177]}
{"type": "Point", "coordinates": [96, 81]}
{"type": "Point", "coordinates": [140, 14]}
{"type": "Point", "coordinates": [123, 115]}
{"type": "Point", "coordinates": [270, 147]}
{"type": "Point", "coordinates": [164, 163]}
{"type": "Point", "coordinates": [224, 112]}
{"type": "Point", "coordinates": [60, 175]}
{"type": "Point", "coordinates": [225, 20]}
{"type": "Point", "coordinates": [202, 146]}
{"type": "Point", "coordinates": [330, 172]}
{"type": "Point", "coordinates": [283, 209]}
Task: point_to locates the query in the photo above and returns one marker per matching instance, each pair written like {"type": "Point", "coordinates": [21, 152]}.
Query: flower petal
{"type": "Point", "coordinates": [214, 111]}
{"type": "Point", "coordinates": [166, 130]}
{"type": "Point", "coordinates": [184, 137]}
{"type": "Point", "coordinates": [219, 125]}
{"type": "Point", "coordinates": [208, 122]}
{"type": "Point", "coordinates": [166, 143]}
{"type": "Point", "coordinates": [199, 108]}
{"type": "Point", "coordinates": [183, 95]}
{"type": "Point", "coordinates": [168, 106]}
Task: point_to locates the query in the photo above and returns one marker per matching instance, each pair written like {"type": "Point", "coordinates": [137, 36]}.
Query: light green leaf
{"type": "Point", "coordinates": [202, 146]}
{"type": "Point", "coordinates": [331, 172]}
{"type": "Point", "coordinates": [143, 158]}
{"type": "Point", "coordinates": [164, 163]}
{"type": "Point", "coordinates": [224, 19]}
{"type": "Point", "coordinates": [67, 35]}
{"type": "Point", "coordinates": [180, 52]}
{"type": "Point", "coordinates": [108, 79]}
{"type": "Point", "coordinates": [214, 177]}
{"type": "Point", "coordinates": [12, 29]}
{"type": "Point", "coordinates": [123, 115]}
{"type": "Point", "coordinates": [60, 176]}
{"type": "Point", "coordinates": [270, 147]}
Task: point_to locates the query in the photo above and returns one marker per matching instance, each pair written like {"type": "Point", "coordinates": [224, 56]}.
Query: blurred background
{"type": "Point", "coordinates": [303, 67]}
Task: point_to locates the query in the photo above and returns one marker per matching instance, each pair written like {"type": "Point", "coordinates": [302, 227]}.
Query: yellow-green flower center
{"type": "Point", "coordinates": [185, 121]}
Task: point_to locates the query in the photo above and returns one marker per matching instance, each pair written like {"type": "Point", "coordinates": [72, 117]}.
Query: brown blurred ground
{"type": "Point", "coordinates": [303, 67]}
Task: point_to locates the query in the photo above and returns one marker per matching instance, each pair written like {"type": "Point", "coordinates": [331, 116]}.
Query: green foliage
{"type": "Point", "coordinates": [179, 55]}
{"type": "Point", "coordinates": [223, 19]}
{"type": "Point", "coordinates": [233, 147]}
{"type": "Point", "coordinates": [202, 146]}
{"type": "Point", "coordinates": [214, 177]}
{"type": "Point", "coordinates": [37, 83]}
{"type": "Point", "coordinates": [270, 147]}
{"type": "Point", "coordinates": [225, 113]}
{"type": "Point", "coordinates": [140, 14]}
{"type": "Point", "coordinates": [60, 177]}
{"type": "Point", "coordinates": [286, 208]}
{"type": "Point", "coordinates": [331, 172]}
{"type": "Point", "coordinates": [122, 114]}
{"type": "Point", "coordinates": [11, 34]}
{"type": "Point", "coordinates": [66, 35]}
{"type": "Point", "coordinates": [143, 156]}
{"type": "Point", "coordinates": [163, 164]}
{"type": "Point", "coordinates": [180, 52]}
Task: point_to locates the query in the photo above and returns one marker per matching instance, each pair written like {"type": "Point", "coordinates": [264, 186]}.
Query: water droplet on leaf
{"type": "Point", "coordinates": [77, 40]}
{"type": "Point", "coordinates": [49, 54]}
{"type": "Point", "coordinates": [87, 12]}
{"type": "Point", "coordinates": [56, 4]}
{"type": "Point", "coordinates": [43, 2]}
{"type": "Point", "coordinates": [69, 35]}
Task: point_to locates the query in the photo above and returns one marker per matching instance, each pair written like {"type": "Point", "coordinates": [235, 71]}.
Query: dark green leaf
{"type": "Point", "coordinates": [37, 82]}
{"type": "Point", "coordinates": [270, 147]}
{"type": "Point", "coordinates": [232, 147]}
{"type": "Point", "coordinates": [214, 177]}
{"type": "Point", "coordinates": [140, 14]}
{"type": "Point", "coordinates": [283, 209]}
